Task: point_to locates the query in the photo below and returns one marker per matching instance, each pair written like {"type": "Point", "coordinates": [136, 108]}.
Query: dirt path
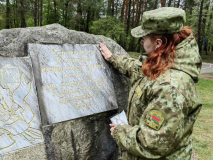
{"type": "Point", "coordinates": [206, 76]}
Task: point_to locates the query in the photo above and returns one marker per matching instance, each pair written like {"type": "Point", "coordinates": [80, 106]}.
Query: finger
{"type": "Point", "coordinates": [101, 48]}
{"type": "Point", "coordinates": [103, 53]}
{"type": "Point", "coordinates": [101, 45]}
{"type": "Point", "coordinates": [104, 47]}
{"type": "Point", "coordinates": [113, 125]}
{"type": "Point", "coordinates": [112, 129]}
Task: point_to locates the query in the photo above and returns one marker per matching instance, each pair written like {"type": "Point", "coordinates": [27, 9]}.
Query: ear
{"type": "Point", "coordinates": [158, 43]}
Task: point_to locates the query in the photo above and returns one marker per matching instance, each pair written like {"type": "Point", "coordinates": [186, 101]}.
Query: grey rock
{"type": "Point", "coordinates": [36, 152]}
{"type": "Point", "coordinates": [69, 140]}
{"type": "Point", "coordinates": [83, 138]}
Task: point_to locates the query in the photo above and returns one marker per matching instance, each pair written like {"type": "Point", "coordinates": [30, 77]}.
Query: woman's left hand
{"type": "Point", "coordinates": [112, 128]}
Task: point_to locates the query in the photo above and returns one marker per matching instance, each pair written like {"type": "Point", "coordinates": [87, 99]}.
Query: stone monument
{"type": "Point", "coordinates": [75, 86]}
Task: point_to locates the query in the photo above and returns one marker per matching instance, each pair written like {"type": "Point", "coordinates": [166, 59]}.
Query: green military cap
{"type": "Point", "coordinates": [166, 20]}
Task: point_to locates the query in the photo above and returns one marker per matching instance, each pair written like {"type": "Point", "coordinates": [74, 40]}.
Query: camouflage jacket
{"type": "Point", "coordinates": [161, 113]}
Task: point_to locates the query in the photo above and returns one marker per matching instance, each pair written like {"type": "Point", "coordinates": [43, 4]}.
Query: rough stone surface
{"type": "Point", "coordinates": [36, 152]}
{"type": "Point", "coordinates": [71, 141]}
{"type": "Point", "coordinates": [66, 140]}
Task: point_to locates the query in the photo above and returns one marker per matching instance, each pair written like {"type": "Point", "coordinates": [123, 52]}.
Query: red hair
{"type": "Point", "coordinates": [163, 57]}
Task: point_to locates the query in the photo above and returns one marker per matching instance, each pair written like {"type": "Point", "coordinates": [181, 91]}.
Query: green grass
{"type": "Point", "coordinates": [205, 91]}
{"type": "Point", "coordinates": [203, 128]}
{"type": "Point", "coordinates": [211, 74]}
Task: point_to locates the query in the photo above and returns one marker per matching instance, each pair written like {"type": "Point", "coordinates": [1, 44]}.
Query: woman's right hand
{"type": "Point", "coordinates": [105, 51]}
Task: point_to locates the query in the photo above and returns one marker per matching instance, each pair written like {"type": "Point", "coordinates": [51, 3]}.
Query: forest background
{"type": "Point", "coordinates": [110, 18]}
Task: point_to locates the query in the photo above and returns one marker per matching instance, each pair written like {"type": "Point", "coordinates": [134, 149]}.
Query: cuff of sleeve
{"type": "Point", "coordinates": [112, 58]}
{"type": "Point", "coordinates": [116, 130]}
{"type": "Point", "coordinates": [119, 128]}
{"type": "Point", "coordinates": [119, 135]}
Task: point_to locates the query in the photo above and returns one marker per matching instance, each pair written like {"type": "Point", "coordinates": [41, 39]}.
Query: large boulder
{"type": "Point", "coordinates": [83, 138]}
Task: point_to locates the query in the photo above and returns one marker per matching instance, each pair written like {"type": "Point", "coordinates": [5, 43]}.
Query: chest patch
{"type": "Point", "coordinates": [138, 91]}
{"type": "Point", "coordinates": [155, 119]}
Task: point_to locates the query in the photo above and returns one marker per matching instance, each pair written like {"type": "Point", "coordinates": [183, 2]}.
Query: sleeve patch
{"type": "Point", "coordinates": [155, 119]}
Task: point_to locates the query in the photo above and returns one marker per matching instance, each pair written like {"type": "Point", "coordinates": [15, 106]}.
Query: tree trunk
{"type": "Point", "coordinates": [128, 20]}
{"type": "Point", "coordinates": [156, 4]}
{"type": "Point", "coordinates": [199, 26]}
{"type": "Point", "coordinates": [174, 3]}
{"type": "Point", "coordinates": [142, 9]}
{"type": "Point", "coordinates": [136, 16]}
{"type": "Point", "coordinates": [16, 13]}
{"type": "Point", "coordinates": [145, 5]}
{"type": "Point", "coordinates": [109, 8]}
{"type": "Point", "coordinates": [122, 11]}
{"type": "Point", "coordinates": [88, 19]}
{"type": "Point", "coordinates": [7, 14]}
{"type": "Point", "coordinates": [203, 35]}
{"type": "Point", "coordinates": [55, 11]}
{"type": "Point", "coordinates": [22, 14]}
{"type": "Point", "coordinates": [35, 12]}
{"type": "Point", "coordinates": [116, 8]}
{"type": "Point", "coordinates": [210, 21]}
{"type": "Point", "coordinates": [170, 2]}
{"type": "Point", "coordinates": [163, 3]}
{"type": "Point", "coordinates": [38, 13]}
{"type": "Point", "coordinates": [139, 12]}
{"type": "Point", "coordinates": [66, 14]}
{"type": "Point", "coordinates": [80, 24]}
{"type": "Point", "coordinates": [113, 7]}
{"type": "Point", "coordinates": [126, 12]}
{"type": "Point", "coordinates": [133, 13]}
{"type": "Point", "coordinates": [41, 11]}
{"type": "Point", "coordinates": [178, 4]}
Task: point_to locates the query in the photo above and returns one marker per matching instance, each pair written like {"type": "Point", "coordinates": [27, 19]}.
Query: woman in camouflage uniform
{"type": "Point", "coordinates": [163, 103]}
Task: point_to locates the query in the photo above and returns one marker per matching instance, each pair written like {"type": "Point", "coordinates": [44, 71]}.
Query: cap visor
{"type": "Point", "coordinates": [138, 32]}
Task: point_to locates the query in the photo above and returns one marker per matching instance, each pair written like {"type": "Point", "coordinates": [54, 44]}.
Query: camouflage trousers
{"type": "Point", "coordinates": [123, 156]}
